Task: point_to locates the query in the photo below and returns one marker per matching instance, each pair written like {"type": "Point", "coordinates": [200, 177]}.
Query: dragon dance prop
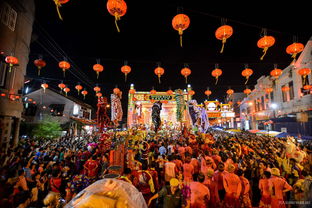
{"type": "Point", "coordinates": [102, 117]}
{"type": "Point", "coordinates": [180, 104]}
{"type": "Point", "coordinates": [198, 116]}
{"type": "Point", "coordinates": [116, 109]}
{"type": "Point", "coordinates": [108, 193]}
{"type": "Point", "coordinates": [156, 115]}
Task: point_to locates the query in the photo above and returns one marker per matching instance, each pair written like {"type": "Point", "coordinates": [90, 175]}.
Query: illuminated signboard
{"type": "Point", "coordinates": [156, 97]}
{"type": "Point", "coordinates": [214, 114]}
{"type": "Point", "coordinates": [228, 114]}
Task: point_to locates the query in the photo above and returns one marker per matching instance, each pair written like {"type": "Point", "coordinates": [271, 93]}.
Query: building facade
{"type": "Point", "coordinates": [288, 105]}
{"type": "Point", "coordinates": [16, 22]}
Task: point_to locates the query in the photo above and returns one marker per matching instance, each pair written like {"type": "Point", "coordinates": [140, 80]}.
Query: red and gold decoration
{"type": "Point", "coordinates": [285, 89]}
{"type": "Point", "coordinates": [208, 93]}
{"type": "Point", "coordinates": [11, 60]}
{"type": "Point", "coordinates": [276, 72]}
{"type": "Point", "coordinates": [216, 73]}
{"type": "Point", "coordinates": [268, 90]}
{"type": "Point", "coordinates": [159, 71]}
{"type": "Point", "coordinates": [191, 92]}
{"type": "Point", "coordinates": [230, 92]}
{"type": "Point", "coordinates": [223, 33]}
{"type": "Point", "coordinates": [132, 91]}
{"type": "Point", "coordinates": [44, 86]}
{"type": "Point", "coordinates": [304, 72]}
{"type": "Point", "coordinates": [39, 63]}
{"type": "Point", "coordinates": [180, 23]}
{"type": "Point", "coordinates": [169, 92]}
{"type": "Point", "coordinates": [78, 87]}
{"type": "Point", "coordinates": [84, 93]}
{"type": "Point", "coordinates": [265, 43]}
{"type": "Point", "coordinates": [58, 4]}
{"type": "Point", "coordinates": [66, 90]}
{"type": "Point", "coordinates": [61, 86]}
{"type": "Point", "coordinates": [126, 70]}
{"type": "Point", "coordinates": [247, 91]}
{"type": "Point", "coordinates": [293, 49]}
{"type": "Point", "coordinates": [97, 89]}
{"type": "Point", "coordinates": [98, 68]}
{"type": "Point", "coordinates": [153, 92]}
{"type": "Point", "coordinates": [98, 94]}
{"type": "Point", "coordinates": [186, 72]}
{"type": "Point", "coordinates": [247, 72]}
{"type": "Point", "coordinates": [117, 8]}
{"type": "Point", "coordinates": [64, 65]}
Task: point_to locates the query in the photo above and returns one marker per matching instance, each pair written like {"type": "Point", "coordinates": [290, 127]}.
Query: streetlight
{"type": "Point", "coordinates": [273, 106]}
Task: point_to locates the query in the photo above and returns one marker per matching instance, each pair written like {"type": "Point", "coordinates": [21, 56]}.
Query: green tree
{"type": "Point", "coordinates": [47, 128]}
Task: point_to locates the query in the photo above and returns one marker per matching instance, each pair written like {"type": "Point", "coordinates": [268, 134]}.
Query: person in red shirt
{"type": "Point", "coordinates": [200, 194]}
{"type": "Point", "coordinates": [244, 196]}
{"type": "Point", "coordinates": [265, 201]}
{"type": "Point", "coordinates": [218, 178]}
{"type": "Point", "coordinates": [91, 167]}
{"type": "Point", "coordinates": [233, 187]}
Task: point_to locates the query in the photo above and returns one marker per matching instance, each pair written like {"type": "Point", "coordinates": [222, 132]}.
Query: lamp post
{"type": "Point", "coordinates": [273, 106]}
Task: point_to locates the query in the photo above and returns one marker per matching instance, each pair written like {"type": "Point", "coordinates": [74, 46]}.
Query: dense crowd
{"type": "Point", "coordinates": [170, 169]}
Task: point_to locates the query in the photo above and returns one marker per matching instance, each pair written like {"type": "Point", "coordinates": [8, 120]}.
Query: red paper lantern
{"type": "Point", "coordinates": [191, 92]}
{"type": "Point", "coordinates": [153, 92]}
{"type": "Point", "coordinates": [66, 90]}
{"type": "Point", "coordinates": [239, 102]}
{"type": "Point", "coordinates": [186, 72]}
{"type": "Point", "coordinates": [39, 63]}
{"type": "Point", "coordinates": [64, 65]}
{"type": "Point", "coordinates": [44, 86]}
{"type": "Point", "coordinates": [216, 73]}
{"type": "Point", "coordinates": [97, 89]}
{"type": "Point", "coordinates": [61, 86]}
{"type": "Point", "coordinates": [247, 73]}
{"type": "Point", "coordinates": [276, 73]}
{"type": "Point", "coordinates": [78, 88]}
{"type": "Point", "coordinates": [304, 73]}
{"type": "Point", "coordinates": [169, 92]}
{"type": "Point", "coordinates": [223, 33]}
{"type": "Point", "coordinates": [265, 42]}
{"type": "Point", "coordinates": [84, 93]}
{"type": "Point", "coordinates": [208, 93]}
{"type": "Point", "coordinates": [307, 87]}
{"type": "Point", "coordinates": [294, 48]}
{"type": "Point", "coordinates": [268, 90]}
{"type": "Point", "coordinates": [126, 70]}
{"type": "Point", "coordinates": [247, 91]}
{"type": "Point", "coordinates": [230, 92]}
{"type": "Point", "coordinates": [3, 94]}
{"type": "Point", "coordinates": [11, 60]}
{"type": "Point", "coordinates": [117, 8]}
{"type": "Point", "coordinates": [159, 71]}
{"type": "Point", "coordinates": [30, 100]}
{"type": "Point", "coordinates": [98, 94]}
{"type": "Point", "coordinates": [230, 103]}
{"type": "Point", "coordinates": [180, 23]}
{"type": "Point", "coordinates": [98, 68]}
{"type": "Point", "coordinates": [132, 91]}
{"type": "Point", "coordinates": [58, 4]}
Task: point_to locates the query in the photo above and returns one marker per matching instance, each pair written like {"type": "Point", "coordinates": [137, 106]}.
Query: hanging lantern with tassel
{"type": "Point", "coordinates": [61, 86]}
{"type": "Point", "coordinates": [39, 63]}
{"type": "Point", "coordinates": [247, 72]}
{"type": "Point", "coordinates": [180, 23]}
{"type": "Point", "coordinates": [216, 73]}
{"type": "Point", "coordinates": [223, 33]}
{"type": "Point", "coordinates": [44, 86]}
{"type": "Point", "coordinates": [265, 42]}
{"type": "Point", "coordinates": [98, 68]}
{"type": "Point", "coordinates": [84, 93]}
{"type": "Point", "coordinates": [208, 92]}
{"type": "Point", "coordinates": [64, 65]}
{"type": "Point", "coordinates": [117, 8]}
{"type": "Point", "coordinates": [126, 70]}
{"type": "Point", "coordinates": [66, 90]}
{"type": "Point", "coordinates": [304, 73]}
{"type": "Point", "coordinates": [78, 87]}
{"type": "Point", "coordinates": [186, 72]}
{"type": "Point", "coordinates": [293, 49]}
{"type": "Point", "coordinates": [58, 4]}
{"type": "Point", "coordinates": [11, 60]}
{"type": "Point", "coordinates": [159, 71]}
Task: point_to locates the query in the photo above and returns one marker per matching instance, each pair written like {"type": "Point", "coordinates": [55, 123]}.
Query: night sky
{"type": "Point", "coordinates": [88, 33]}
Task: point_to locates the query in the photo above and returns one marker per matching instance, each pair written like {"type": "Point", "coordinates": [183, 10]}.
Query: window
{"type": "Point", "coordinates": [262, 103]}
{"type": "Point", "coordinates": [291, 90]}
{"type": "Point", "coordinates": [8, 16]}
{"type": "Point", "coordinates": [3, 72]}
{"type": "Point", "coordinates": [284, 94]}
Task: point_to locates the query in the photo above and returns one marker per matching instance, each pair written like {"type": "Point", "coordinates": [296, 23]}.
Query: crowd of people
{"type": "Point", "coordinates": [170, 169]}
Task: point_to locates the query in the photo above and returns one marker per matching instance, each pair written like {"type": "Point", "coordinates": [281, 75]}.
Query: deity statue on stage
{"type": "Point", "coordinates": [102, 117]}
{"type": "Point", "coordinates": [156, 115]}
{"type": "Point", "coordinates": [116, 108]}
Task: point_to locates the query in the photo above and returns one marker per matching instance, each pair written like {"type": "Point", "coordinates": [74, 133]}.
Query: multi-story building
{"type": "Point", "coordinates": [289, 103]}
{"type": "Point", "coordinates": [16, 21]}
